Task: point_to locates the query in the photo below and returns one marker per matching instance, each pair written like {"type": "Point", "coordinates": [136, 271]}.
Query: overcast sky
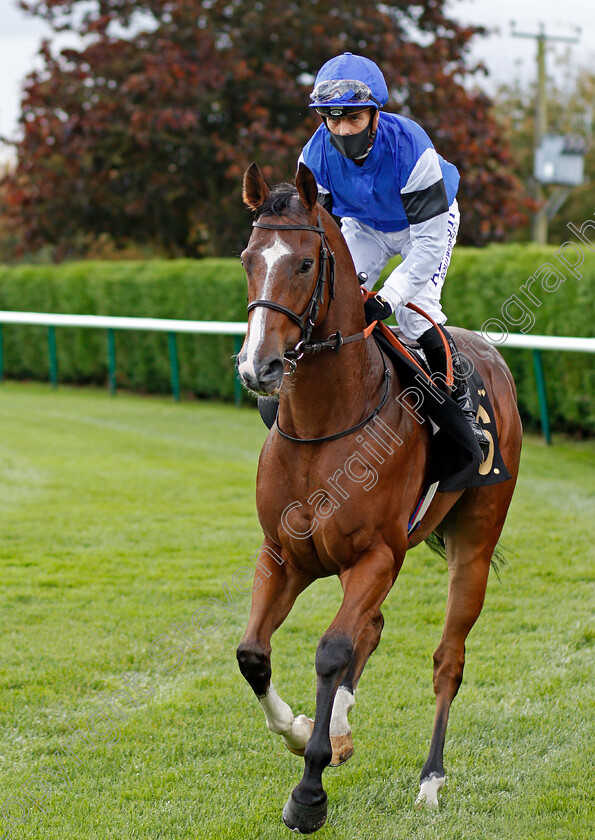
{"type": "Point", "coordinates": [504, 55]}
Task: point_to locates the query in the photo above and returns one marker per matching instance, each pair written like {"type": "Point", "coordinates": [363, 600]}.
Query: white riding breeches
{"type": "Point", "coordinates": [371, 250]}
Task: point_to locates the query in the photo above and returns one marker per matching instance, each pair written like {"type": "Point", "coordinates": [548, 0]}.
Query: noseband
{"type": "Point", "coordinates": [307, 319]}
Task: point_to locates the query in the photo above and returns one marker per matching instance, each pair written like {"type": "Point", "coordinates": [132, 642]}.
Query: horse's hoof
{"type": "Point", "coordinates": [342, 749]}
{"type": "Point", "coordinates": [300, 751]}
{"type": "Point", "coordinates": [428, 791]}
{"type": "Point", "coordinates": [304, 818]}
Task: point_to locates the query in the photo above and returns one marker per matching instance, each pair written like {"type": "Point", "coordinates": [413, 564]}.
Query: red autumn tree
{"type": "Point", "coordinates": [144, 131]}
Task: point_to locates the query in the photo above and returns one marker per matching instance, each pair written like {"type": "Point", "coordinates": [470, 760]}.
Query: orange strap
{"type": "Point", "coordinates": [447, 350]}
{"type": "Point", "coordinates": [398, 345]}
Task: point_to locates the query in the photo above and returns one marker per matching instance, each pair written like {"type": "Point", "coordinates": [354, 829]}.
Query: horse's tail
{"type": "Point", "coordinates": [435, 543]}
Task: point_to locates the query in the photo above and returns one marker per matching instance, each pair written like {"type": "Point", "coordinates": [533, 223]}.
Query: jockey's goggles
{"type": "Point", "coordinates": [338, 94]}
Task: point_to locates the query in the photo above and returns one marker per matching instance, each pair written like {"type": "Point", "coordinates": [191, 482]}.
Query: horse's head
{"type": "Point", "coordinates": [290, 273]}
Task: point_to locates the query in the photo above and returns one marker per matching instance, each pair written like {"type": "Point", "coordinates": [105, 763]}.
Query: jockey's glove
{"type": "Point", "coordinates": [377, 309]}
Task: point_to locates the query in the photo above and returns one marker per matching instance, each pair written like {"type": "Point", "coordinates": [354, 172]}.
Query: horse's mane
{"type": "Point", "coordinates": [279, 201]}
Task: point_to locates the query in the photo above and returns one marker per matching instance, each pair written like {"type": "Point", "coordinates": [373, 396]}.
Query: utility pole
{"type": "Point", "coordinates": [540, 219]}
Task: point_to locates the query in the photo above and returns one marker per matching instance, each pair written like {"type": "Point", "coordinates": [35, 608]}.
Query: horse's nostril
{"type": "Point", "coordinates": [263, 378]}
{"type": "Point", "coordinates": [271, 372]}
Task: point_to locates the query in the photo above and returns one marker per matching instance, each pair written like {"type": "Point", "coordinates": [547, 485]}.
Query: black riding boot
{"type": "Point", "coordinates": [431, 344]}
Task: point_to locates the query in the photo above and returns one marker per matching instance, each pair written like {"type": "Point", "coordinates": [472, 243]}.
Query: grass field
{"type": "Point", "coordinates": [120, 518]}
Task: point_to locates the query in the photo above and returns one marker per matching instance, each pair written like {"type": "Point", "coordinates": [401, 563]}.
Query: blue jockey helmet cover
{"type": "Point", "coordinates": [349, 67]}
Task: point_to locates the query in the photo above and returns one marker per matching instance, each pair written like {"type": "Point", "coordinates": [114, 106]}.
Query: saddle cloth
{"type": "Point", "coordinates": [454, 462]}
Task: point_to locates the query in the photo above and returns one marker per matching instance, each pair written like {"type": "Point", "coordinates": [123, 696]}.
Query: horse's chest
{"type": "Point", "coordinates": [326, 509]}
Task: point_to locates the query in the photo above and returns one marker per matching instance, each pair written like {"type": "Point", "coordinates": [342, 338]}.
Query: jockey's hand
{"type": "Point", "coordinates": [377, 309]}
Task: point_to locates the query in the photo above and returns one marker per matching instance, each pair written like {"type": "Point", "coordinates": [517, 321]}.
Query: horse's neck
{"type": "Point", "coordinates": [332, 390]}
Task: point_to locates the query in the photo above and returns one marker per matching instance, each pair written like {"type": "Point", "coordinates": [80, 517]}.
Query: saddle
{"type": "Point", "coordinates": [454, 464]}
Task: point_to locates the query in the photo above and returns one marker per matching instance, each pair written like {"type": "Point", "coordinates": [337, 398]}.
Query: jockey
{"type": "Point", "coordinates": [395, 195]}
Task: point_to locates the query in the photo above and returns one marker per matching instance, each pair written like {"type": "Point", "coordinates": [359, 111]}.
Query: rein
{"type": "Point", "coordinates": [307, 320]}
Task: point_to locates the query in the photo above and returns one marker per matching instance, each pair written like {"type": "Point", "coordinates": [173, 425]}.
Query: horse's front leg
{"type": "Point", "coordinates": [369, 583]}
{"type": "Point", "coordinates": [340, 730]}
{"type": "Point", "coordinates": [276, 586]}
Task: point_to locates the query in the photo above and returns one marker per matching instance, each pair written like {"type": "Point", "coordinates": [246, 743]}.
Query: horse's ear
{"type": "Point", "coordinates": [306, 186]}
{"type": "Point", "coordinates": [255, 191]}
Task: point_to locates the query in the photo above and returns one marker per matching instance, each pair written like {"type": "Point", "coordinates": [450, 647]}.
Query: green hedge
{"type": "Point", "coordinates": [210, 290]}
{"type": "Point", "coordinates": [479, 283]}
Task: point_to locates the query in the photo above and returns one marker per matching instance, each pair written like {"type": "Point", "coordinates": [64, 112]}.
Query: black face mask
{"type": "Point", "coordinates": [352, 146]}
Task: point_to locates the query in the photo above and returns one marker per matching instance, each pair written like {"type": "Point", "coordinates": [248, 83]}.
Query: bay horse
{"type": "Point", "coordinates": [334, 497]}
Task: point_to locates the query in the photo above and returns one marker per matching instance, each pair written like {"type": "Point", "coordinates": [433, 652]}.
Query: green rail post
{"type": "Point", "coordinates": [237, 385]}
{"type": "Point", "coordinates": [53, 357]}
{"type": "Point", "coordinates": [173, 363]}
{"type": "Point", "coordinates": [111, 361]}
{"type": "Point", "coordinates": [541, 393]}
{"type": "Point", "coordinates": [1, 355]}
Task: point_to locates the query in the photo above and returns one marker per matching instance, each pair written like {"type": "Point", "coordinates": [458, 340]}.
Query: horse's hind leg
{"type": "Point", "coordinates": [471, 533]}
{"type": "Point", "coordinates": [340, 730]}
{"type": "Point", "coordinates": [276, 586]}
{"type": "Point", "coordinates": [466, 590]}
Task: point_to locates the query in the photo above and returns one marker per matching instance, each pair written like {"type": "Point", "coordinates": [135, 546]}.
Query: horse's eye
{"type": "Point", "coordinates": [306, 266]}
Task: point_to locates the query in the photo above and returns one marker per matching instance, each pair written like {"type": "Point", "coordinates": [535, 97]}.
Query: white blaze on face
{"type": "Point", "coordinates": [271, 254]}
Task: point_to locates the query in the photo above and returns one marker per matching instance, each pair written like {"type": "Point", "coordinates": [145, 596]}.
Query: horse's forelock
{"type": "Point", "coordinates": [280, 201]}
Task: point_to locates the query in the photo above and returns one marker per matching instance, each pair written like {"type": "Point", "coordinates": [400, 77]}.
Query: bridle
{"type": "Point", "coordinates": [307, 319]}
